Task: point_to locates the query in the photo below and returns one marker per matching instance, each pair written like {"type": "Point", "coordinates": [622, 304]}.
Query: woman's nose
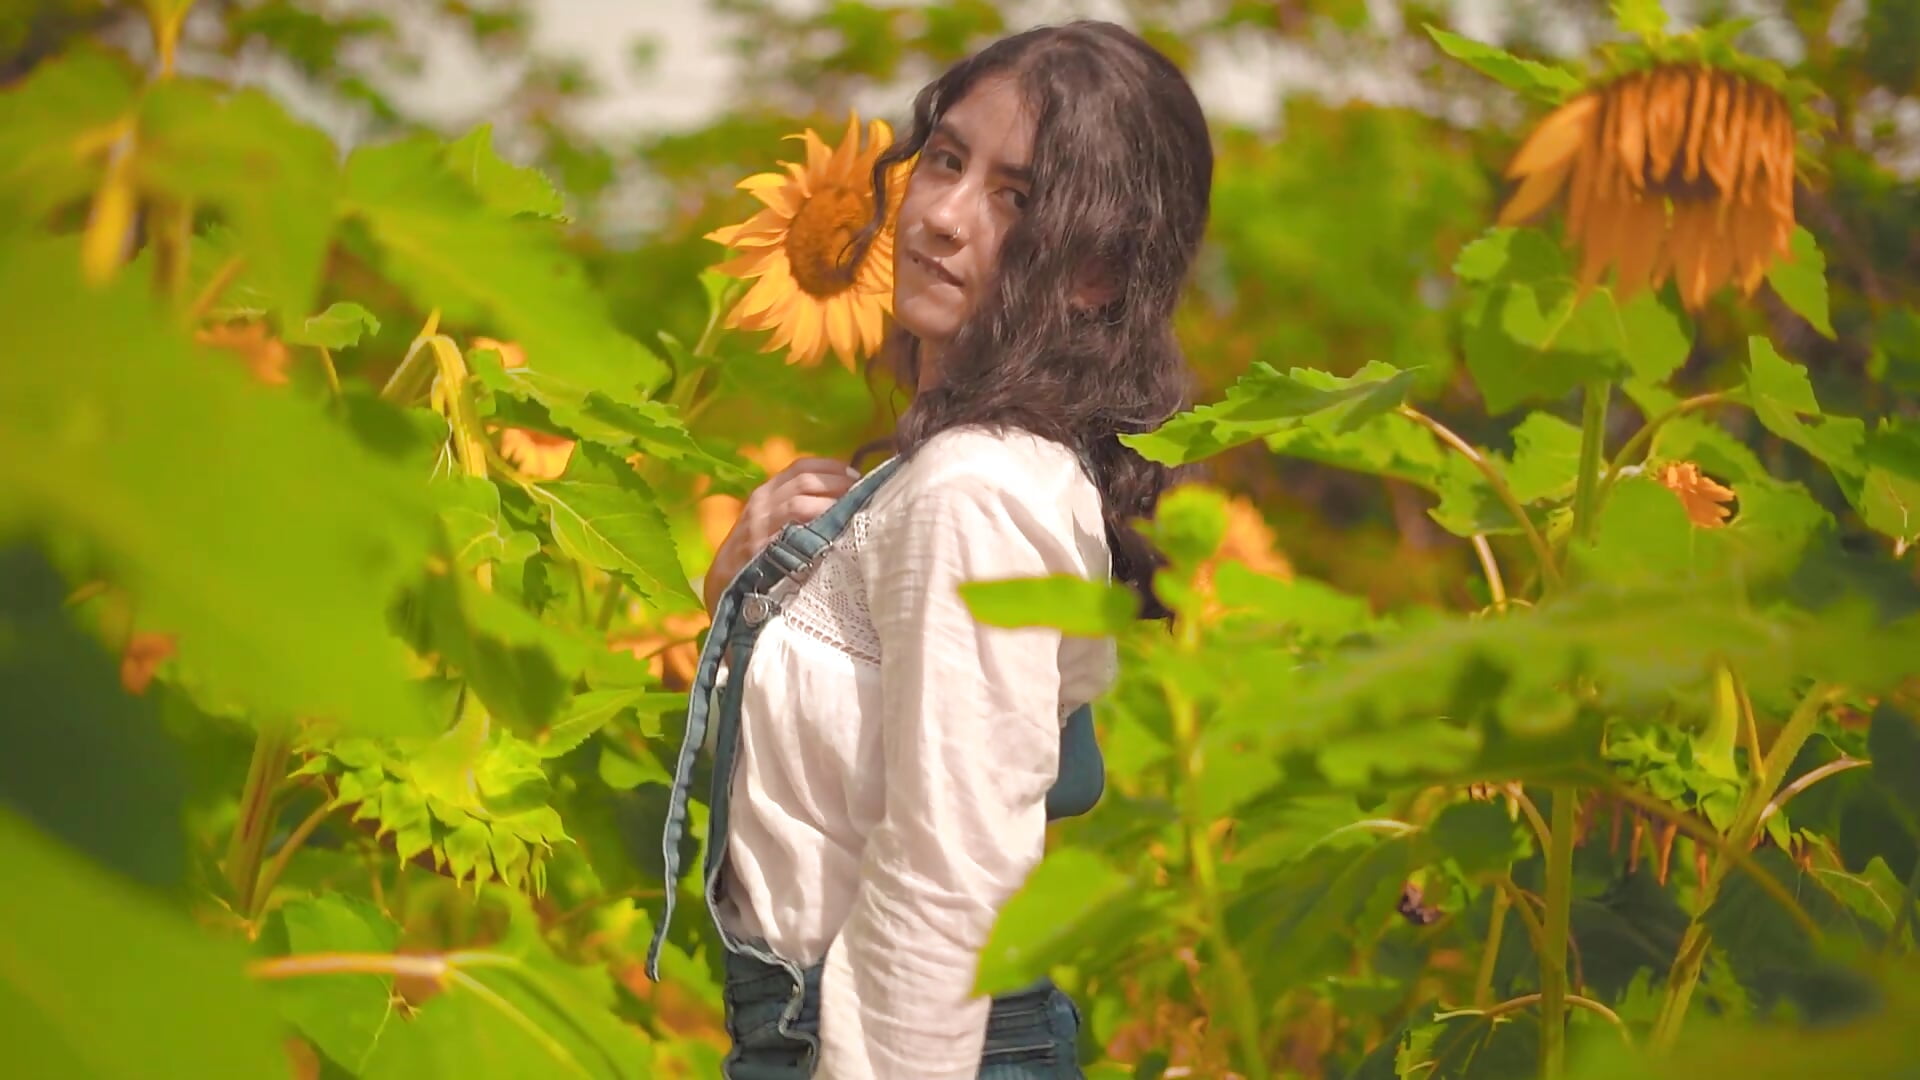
{"type": "Point", "coordinates": [946, 215]}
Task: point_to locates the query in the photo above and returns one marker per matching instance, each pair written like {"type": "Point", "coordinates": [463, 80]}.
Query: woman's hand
{"type": "Point", "coordinates": [800, 492]}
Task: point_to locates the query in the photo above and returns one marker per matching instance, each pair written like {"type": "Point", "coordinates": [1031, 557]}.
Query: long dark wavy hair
{"type": "Point", "coordinates": [1122, 180]}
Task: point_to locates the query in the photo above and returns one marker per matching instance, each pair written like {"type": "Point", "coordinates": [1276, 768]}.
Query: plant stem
{"type": "Point", "coordinates": [1812, 777]}
{"type": "Point", "coordinates": [271, 875]}
{"type": "Point", "coordinates": [1644, 437]}
{"type": "Point", "coordinates": [333, 373]}
{"type": "Point", "coordinates": [1548, 568]}
{"type": "Point", "coordinates": [1739, 857]}
{"type": "Point", "coordinates": [1524, 1000]}
{"type": "Point", "coordinates": [1553, 959]}
{"type": "Point", "coordinates": [1733, 848]}
{"type": "Point", "coordinates": [469, 441]}
{"type": "Point", "coordinates": [1496, 585]}
{"type": "Point", "coordinates": [166, 34]}
{"type": "Point", "coordinates": [1186, 732]}
{"type": "Point", "coordinates": [271, 748]}
{"type": "Point", "coordinates": [610, 595]}
{"type": "Point", "coordinates": [685, 390]}
{"type": "Point", "coordinates": [415, 367]}
{"type": "Point", "coordinates": [293, 967]}
{"type": "Point", "coordinates": [215, 287]}
{"type": "Point", "coordinates": [1490, 955]}
{"type": "Point", "coordinates": [1593, 434]}
{"type": "Point", "coordinates": [1520, 903]}
{"type": "Point", "coordinates": [1540, 830]}
{"type": "Point", "coordinates": [1907, 901]}
{"type": "Point", "coordinates": [172, 233]}
{"type": "Point", "coordinates": [580, 585]}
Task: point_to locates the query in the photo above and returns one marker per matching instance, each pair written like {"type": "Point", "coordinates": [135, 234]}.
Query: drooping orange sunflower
{"type": "Point", "coordinates": [817, 286]}
{"type": "Point", "coordinates": [1704, 497]}
{"type": "Point", "coordinates": [1681, 170]}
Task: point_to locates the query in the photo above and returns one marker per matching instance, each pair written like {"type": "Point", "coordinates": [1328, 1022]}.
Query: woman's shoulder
{"type": "Point", "coordinates": [995, 459]}
{"type": "Point", "coordinates": [1009, 477]}
{"type": "Point", "coordinates": [986, 466]}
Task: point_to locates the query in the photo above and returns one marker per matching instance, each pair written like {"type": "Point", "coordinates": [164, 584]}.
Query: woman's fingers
{"type": "Point", "coordinates": [800, 492]}
{"type": "Point", "coordinates": [811, 476]}
{"type": "Point", "coordinates": [819, 484]}
{"type": "Point", "coordinates": [802, 508]}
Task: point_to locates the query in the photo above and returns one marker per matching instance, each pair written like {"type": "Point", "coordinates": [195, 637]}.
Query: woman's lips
{"type": "Point", "coordinates": [934, 269]}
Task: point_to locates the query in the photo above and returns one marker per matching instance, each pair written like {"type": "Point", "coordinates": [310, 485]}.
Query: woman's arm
{"type": "Point", "coordinates": [971, 739]}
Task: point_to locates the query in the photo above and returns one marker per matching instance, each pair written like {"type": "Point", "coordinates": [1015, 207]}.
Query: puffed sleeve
{"type": "Point", "coordinates": [971, 736]}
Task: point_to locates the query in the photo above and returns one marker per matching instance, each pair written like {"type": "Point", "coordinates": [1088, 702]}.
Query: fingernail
{"type": "Point", "coordinates": [853, 472]}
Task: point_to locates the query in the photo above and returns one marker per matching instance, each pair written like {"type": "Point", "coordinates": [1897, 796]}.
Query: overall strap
{"type": "Point", "coordinates": [743, 607]}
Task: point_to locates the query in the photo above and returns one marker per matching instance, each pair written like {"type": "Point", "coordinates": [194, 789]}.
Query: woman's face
{"type": "Point", "coordinates": [968, 189]}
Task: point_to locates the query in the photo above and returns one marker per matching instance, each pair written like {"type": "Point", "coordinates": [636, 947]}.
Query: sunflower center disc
{"type": "Point", "coordinates": [820, 240]}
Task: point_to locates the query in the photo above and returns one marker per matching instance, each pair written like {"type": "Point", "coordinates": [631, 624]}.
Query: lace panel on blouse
{"type": "Point", "coordinates": [830, 605]}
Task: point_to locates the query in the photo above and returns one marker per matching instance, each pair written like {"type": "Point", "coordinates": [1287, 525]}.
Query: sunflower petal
{"type": "Point", "coordinates": [868, 318]}
{"type": "Point", "coordinates": [1643, 231]}
{"type": "Point", "coordinates": [750, 265]}
{"type": "Point", "coordinates": [1557, 138]}
{"type": "Point", "coordinates": [762, 180]}
{"type": "Point", "coordinates": [809, 339]}
{"type": "Point", "coordinates": [840, 328]}
{"type": "Point", "coordinates": [1535, 192]}
{"type": "Point", "coordinates": [763, 228]}
{"type": "Point", "coordinates": [845, 154]}
{"type": "Point", "coordinates": [818, 155]}
{"type": "Point", "coordinates": [1697, 120]}
{"type": "Point", "coordinates": [781, 320]}
{"type": "Point", "coordinates": [1631, 146]}
{"type": "Point", "coordinates": [772, 286]}
{"type": "Point", "coordinates": [1580, 195]}
{"type": "Point", "coordinates": [800, 178]}
{"type": "Point", "coordinates": [784, 200]}
{"type": "Point", "coordinates": [1666, 121]}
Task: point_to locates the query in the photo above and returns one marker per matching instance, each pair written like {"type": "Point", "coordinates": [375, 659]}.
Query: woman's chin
{"type": "Point", "coordinates": [926, 318]}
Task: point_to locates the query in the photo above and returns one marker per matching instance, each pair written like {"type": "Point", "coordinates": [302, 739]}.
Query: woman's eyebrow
{"type": "Point", "coordinates": [943, 130]}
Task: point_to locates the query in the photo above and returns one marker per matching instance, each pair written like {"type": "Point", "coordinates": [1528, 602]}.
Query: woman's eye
{"type": "Point", "coordinates": [1016, 197]}
{"type": "Point", "coordinates": [947, 160]}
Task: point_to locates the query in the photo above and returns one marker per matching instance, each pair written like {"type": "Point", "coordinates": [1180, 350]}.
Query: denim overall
{"type": "Point", "coordinates": [772, 1004]}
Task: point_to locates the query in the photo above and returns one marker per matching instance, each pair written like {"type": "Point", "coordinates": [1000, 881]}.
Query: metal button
{"type": "Point", "coordinates": [758, 608]}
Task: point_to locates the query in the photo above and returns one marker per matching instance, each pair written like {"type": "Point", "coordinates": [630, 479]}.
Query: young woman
{"type": "Point", "coordinates": [884, 762]}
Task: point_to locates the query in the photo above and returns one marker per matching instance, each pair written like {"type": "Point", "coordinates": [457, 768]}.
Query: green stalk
{"type": "Point", "coordinates": [1239, 988]}
{"type": "Point", "coordinates": [1593, 434]}
{"type": "Point", "coordinates": [687, 388]}
{"type": "Point", "coordinates": [1643, 439]}
{"type": "Point", "coordinates": [1897, 939]}
{"type": "Point", "coordinates": [172, 234]}
{"type": "Point", "coordinates": [1766, 775]}
{"type": "Point", "coordinates": [1549, 570]}
{"type": "Point", "coordinates": [1553, 959]}
{"type": "Point", "coordinates": [415, 368]}
{"type": "Point", "coordinates": [1490, 955]}
{"type": "Point", "coordinates": [265, 770]}
{"type": "Point", "coordinates": [1565, 812]}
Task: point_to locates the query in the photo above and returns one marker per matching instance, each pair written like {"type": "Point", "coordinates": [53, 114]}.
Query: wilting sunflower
{"type": "Point", "coordinates": [1682, 170]}
{"type": "Point", "coordinates": [817, 286]}
{"type": "Point", "coordinates": [1704, 498]}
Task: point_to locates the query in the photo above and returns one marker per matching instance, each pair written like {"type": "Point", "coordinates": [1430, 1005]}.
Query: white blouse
{"type": "Point", "coordinates": [895, 754]}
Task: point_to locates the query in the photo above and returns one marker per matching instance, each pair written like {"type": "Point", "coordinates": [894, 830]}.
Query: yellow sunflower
{"type": "Point", "coordinates": [816, 287]}
{"type": "Point", "coordinates": [1682, 171]}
